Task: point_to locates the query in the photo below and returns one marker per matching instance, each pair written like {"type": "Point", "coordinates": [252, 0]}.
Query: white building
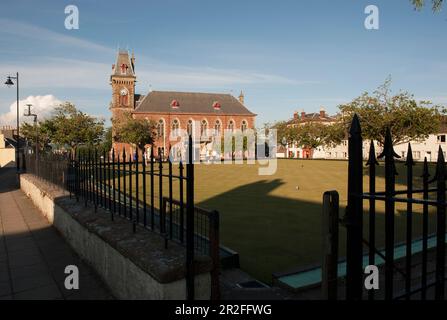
{"type": "Point", "coordinates": [421, 149]}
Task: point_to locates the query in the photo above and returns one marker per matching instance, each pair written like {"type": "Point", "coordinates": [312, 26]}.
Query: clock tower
{"type": "Point", "coordinates": [122, 81]}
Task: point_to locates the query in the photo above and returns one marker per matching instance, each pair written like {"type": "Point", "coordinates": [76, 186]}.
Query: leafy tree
{"type": "Point", "coordinates": [407, 118]}
{"type": "Point", "coordinates": [74, 128]}
{"type": "Point", "coordinates": [45, 131]}
{"type": "Point", "coordinates": [138, 132]}
{"type": "Point", "coordinates": [67, 126]}
{"type": "Point", "coordinates": [310, 135]}
{"type": "Point", "coordinates": [107, 139]}
{"type": "Point", "coordinates": [334, 134]}
{"type": "Point", "coordinates": [285, 133]}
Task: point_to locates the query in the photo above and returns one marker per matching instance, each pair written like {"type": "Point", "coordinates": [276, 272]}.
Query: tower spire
{"type": "Point", "coordinates": [241, 97]}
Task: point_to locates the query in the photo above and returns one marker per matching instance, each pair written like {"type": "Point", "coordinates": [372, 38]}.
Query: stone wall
{"type": "Point", "coordinates": [133, 265]}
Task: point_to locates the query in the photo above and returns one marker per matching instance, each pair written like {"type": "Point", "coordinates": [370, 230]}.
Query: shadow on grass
{"type": "Point", "coordinates": [274, 233]}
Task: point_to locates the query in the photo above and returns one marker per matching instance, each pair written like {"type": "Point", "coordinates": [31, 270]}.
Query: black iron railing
{"type": "Point", "coordinates": [429, 198]}
{"type": "Point", "coordinates": [134, 189]}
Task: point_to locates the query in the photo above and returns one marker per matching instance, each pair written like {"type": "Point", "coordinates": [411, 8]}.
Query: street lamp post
{"type": "Point", "coordinates": [9, 83]}
{"type": "Point", "coordinates": [29, 114]}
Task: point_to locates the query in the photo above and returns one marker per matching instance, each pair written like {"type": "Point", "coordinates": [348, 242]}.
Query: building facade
{"type": "Point", "coordinates": [428, 148]}
{"type": "Point", "coordinates": [8, 145]}
{"type": "Point", "coordinates": [299, 119]}
{"type": "Point", "coordinates": [172, 110]}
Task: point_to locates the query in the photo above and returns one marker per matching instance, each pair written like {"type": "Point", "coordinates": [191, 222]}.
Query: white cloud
{"type": "Point", "coordinates": [41, 105]}
{"type": "Point", "coordinates": [72, 73]}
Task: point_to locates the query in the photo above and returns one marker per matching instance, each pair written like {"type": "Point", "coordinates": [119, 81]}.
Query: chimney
{"type": "Point", "coordinates": [322, 113]}
{"type": "Point", "coordinates": [241, 97]}
{"type": "Point", "coordinates": [295, 115]}
{"type": "Point", "coordinates": [303, 114]}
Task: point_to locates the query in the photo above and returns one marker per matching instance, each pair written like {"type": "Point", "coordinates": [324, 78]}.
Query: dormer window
{"type": "Point", "coordinates": [216, 105]}
{"type": "Point", "coordinates": [175, 104]}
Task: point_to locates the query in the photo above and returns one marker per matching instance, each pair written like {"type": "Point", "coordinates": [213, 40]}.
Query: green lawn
{"type": "Point", "coordinates": [274, 222]}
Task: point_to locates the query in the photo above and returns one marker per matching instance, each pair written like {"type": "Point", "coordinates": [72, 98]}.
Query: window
{"type": "Point", "coordinates": [189, 127]}
{"type": "Point", "coordinates": [231, 125]}
{"type": "Point", "coordinates": [441, 138]}
{"type": "Point", "coordinates": [416, 154]}
{"type": "Point", "coordinates": [161, 128]}
{"type": "Point", "coordinates": [244, 125]}
{"type": "Point", "coordinates": [217, 127]}
{"type": "Point", "coordinates": [175, 127]}
{"type": "Point", "coordinates": [203, 127]}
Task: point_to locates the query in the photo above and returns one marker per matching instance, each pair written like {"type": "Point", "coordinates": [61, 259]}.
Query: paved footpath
{"type": "Point", "coordinates": [33, 255]}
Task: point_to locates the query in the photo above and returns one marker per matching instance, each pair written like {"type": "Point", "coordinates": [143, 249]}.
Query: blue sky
{"type": "Point", "coordinates": [285, 55]}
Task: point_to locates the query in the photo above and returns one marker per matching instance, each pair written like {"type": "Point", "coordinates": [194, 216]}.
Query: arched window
{"type": "Point", "coordinates": [189, 127]}
{"type": "Point", "coordinates": [217, 127]}
{"type": "Point", "coordinates": [244, 125]}
{"type": "Point", "coordinates": [231, 125]}
{"type": "Point", "coordinates": [203, 127]}
{"type": "Point", "coordinates": [161, 128]}
{"type": "Point", "coordinates": [175, 127]}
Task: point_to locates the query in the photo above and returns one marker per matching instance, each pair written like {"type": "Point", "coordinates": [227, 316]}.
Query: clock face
{"type": "Point", "coordinates": [123, 92]}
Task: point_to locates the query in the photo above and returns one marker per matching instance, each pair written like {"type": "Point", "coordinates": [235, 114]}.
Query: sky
{"type": "Point", "coordinates": [286, 56]}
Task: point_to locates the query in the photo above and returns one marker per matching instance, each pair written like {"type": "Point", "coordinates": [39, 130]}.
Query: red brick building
{"type": "Point", "coordinates": [173, 110]}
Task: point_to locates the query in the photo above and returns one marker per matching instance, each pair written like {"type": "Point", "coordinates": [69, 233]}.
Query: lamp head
{"type": "Point", "coordinates": [9, 82]}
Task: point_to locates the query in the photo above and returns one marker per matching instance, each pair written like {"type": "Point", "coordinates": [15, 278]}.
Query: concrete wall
{"type": "Point", "coordinates": [7, 157]}
{"type": "Point", "coordinates": [125, 278]}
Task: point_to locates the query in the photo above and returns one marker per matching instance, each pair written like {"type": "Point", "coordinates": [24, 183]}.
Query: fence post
{"type": "Point", "coordinates": [160, 191]}
{"type": "Point", "coordinates": [354, 214]}
{"type": "Point", "coordinates": [214, 253]}
{"type": "Point", "coordinates": [330, 245]}
{"type": "Point", "coordinates": [425, 176]}
{"type": "Point", "coordinates": [77, 180]}
{"type": "Point", "coordinates": [190, 222]}
{"type": "Point", "coordinates": [440, 226]}
{"type": "Point", "coordinates": [390, 181]}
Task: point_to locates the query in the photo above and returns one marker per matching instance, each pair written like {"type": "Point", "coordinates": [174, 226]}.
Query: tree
{"type": "Point", "coordinates": [67, 126]}
{"type": "Point", "coordinates": [334, 134]}
{"type": "Point", "coordinates": [138, 132]}
{"type": "Point", "coordinates": [407, 118]}
{"type": "Point", "coordinates": [436, 4]}
{"type": "Point", "coordinates": [310, 135]}
{"type": "Point", "coordinates": [107, 140]}
{"type": "Point", "coordinates": [74, 128]}
{"type": "Point", "coordinates": [285, 133]}
{"type": "Point", "coordinates": [45, 131]}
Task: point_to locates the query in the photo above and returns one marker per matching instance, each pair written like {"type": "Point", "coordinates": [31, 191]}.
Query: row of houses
{"type": "Point", "coordinates": [427, 148]}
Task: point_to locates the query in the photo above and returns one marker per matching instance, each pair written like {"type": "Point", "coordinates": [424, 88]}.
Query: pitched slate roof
{"type": "Point", "coordinates": [191, 102]}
